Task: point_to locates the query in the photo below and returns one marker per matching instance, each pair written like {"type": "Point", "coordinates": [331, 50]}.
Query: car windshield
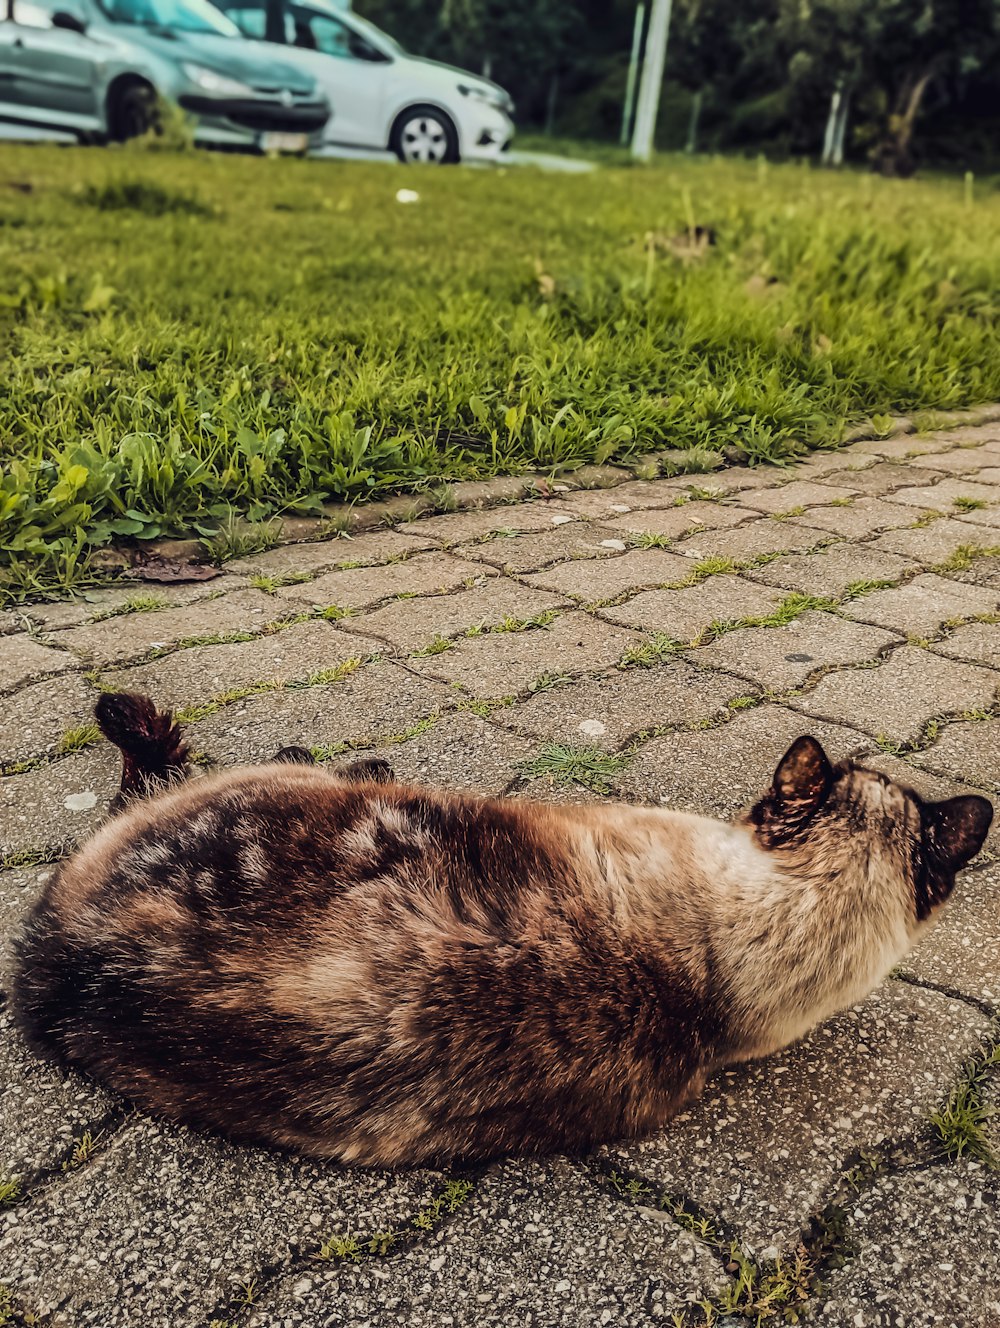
{"type": "Point", "coordinates": [172, 15]}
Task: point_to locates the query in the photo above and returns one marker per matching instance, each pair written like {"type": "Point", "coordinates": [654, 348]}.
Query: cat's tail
{"type": "Point", "coordinates": [154, 753]}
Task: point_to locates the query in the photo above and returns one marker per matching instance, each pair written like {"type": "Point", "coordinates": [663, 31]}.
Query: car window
{"type": "Point", "coordinates": [252, 22]}
{"type": "Point", "coordinates": [172, 15]}
{"type": "Point", "coordinates": [321, 32]}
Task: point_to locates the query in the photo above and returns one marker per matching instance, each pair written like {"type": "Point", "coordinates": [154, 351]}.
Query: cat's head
{"type": "Point", "coordinates": [843, 819]}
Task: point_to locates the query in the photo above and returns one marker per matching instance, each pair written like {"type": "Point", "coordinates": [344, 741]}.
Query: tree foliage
{"type": "Point", "coordinates": [920, 74]}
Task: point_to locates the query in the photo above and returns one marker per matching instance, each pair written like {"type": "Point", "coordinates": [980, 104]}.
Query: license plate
{"type": "Point", "coordinates": [284, 142]}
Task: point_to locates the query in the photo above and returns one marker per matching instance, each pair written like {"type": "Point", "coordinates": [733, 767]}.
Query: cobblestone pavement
{"type": "Point", "coordinates": [658, 641]}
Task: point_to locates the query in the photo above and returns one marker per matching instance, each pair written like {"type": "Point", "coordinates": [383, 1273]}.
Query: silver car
{"type": "Point", "coordinates": [95, 68]}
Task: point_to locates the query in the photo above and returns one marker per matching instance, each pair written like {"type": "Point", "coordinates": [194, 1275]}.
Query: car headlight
{"type": "Point", "coordinates": [217, 84]}
{"type": "Point", "coordinates": [488, 96]}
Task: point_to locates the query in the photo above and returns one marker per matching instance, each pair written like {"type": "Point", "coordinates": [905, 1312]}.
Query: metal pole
{"type": "Point", "coordinates": [633, 70]}
{"type": "Point", "coordinates": [651, 83]}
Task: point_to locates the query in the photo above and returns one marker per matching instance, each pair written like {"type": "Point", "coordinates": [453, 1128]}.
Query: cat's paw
{"type": "Point", "coordinates": [375, 769]}
{"type": "Point", "coordinates": [294, 756]}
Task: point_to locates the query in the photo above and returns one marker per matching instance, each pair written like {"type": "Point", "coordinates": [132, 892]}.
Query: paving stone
{"type": "Point", "coordinates": [780, 657]}
{"type": "Point", "coordinates": [162, 1226]}
{"type": "Point", "coordinates": [188, 677]}
{"type": "Point", "coordinates": [968, 750]}
{"type": "Point", "coordinates": [33, 722]}
{"type": "Point", "coordinates": [19, 888]}
{"type": "Point", "coordinates": [528, 553]}
{"type": "Point", "coordinates": [410, 624]}
{"type": "Point", "coordinates": [751, 540]}
{"type": "Point", "coordinates": [990, 474]}
{"type": "Point", "coordinates": [895, 700]}
{"type": "Point", "coordinates": [356, 587]}
{"type": "Point", "coordinates": [862, 517]}
{"type": "Point", "coordinates": [537, 1244]}
{"type": "Point", "coordinates": [977, 642]}
{"type": "Point", "coordinates": [934, 543]}
{"type": "Point", "coordinates": [799, 493]}
{"type": "Point", "coordinates": [882, 478]}
{"type": "Point", "coordinates": [832, 570]}
{"type": "Point", "coordinates": [504, 663]}
{"type": "Point", "coordinates": [721, 771]}
{"type": "Point", "coordinates": [675, 522]}
{"type": "Point", "coordinates": [599, 504]}
{"type": "Point", "coordinates": [922, 605]}
{"type": "Point", "coordinates": [461, 527]}
{"type": "Point", "coordinates": [767, 1143]}
{"type": "Point", "coordinates": [899, 447]}
{"type": "Point", "coordinates": [942, 496]}
{"type": "Point", "coordinates": [92, 604]}
{"type": "Point", "coordinates": [377, 700]}
{"type": "Point", "coordinates": [955, 461]}
{"type": "Point", "coordinates": [376, 546]}
{"type": "Point", "coordinates": [962, 952]}
{"type": "Point", "coordinates": [33, 807]}
{"type": "Point", "coordinates": [982, 520]}
{"type": "Point", "coordinates": [132, 635]}
{"type": "Point", "coordinates": [22, 659]}
{"type": "Point", "coordinates": [684, 614]}
{"type": "Point", "coordinates": [460, 751]}
{"type": "Point", "coordinates": [43, 1109]}
{"type": "Point", "coordinates": [662, 492]}
{"type": "Point", "coordinates": [984, 570]}
{"type": "Point", "coordinates": [824, 461]}
{"type": "Point", "coordinates": [925, 1253]}
{"type": "Point", "coordinates": [608, 710]}
{"type": "Point", "coordinates": [604, 579]}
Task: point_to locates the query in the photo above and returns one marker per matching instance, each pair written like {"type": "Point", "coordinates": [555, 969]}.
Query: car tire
{"type": "Point", "coordinates": [132, 111]}
{"type": "Point", "coordinates": [424, 134]}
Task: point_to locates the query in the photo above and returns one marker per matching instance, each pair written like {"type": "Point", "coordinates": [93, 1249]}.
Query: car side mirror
{"type": "Point", "coordinates": [69, 22]}
{"type": "Point", "coordinates": [361, 50]}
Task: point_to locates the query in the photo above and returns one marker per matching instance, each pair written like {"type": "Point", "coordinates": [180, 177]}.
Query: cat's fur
{"type": "Point", "coordinates": [385, 974]}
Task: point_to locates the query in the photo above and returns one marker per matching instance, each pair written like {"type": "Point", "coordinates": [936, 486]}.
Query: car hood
{"type": "Point", "coordinates": [452, 71]}
{"type": "Point", "coordinates": [235, 57]}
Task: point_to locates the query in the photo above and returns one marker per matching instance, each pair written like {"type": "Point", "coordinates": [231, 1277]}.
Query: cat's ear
{"type": "Point", "coordinates": [956, 830]}
{"type": "Point", "coordinates": [803, 777]}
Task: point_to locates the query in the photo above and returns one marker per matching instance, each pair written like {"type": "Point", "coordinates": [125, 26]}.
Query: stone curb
{"type": "Point", "coordinates": [470, 495]}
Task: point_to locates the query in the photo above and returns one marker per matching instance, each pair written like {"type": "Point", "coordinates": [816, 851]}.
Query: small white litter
{"type": "Point", "coordinates": [620, 545]}
{"type": "Point", "coordinates": [561, 520]}
{"type": "Point", "coordinates": [407, 196]}
{"type": "Point", "coordinates": [80, 802]}
{"type": "Point", "coordinates": [593, 728]}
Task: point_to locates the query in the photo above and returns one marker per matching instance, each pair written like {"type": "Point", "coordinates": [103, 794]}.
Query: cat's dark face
{"type": "Point", "coordinates": [845, 818]}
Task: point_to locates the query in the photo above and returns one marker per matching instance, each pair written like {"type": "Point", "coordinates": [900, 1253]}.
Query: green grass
{"type": "Point", "coordinates": [188, 336]}
{"type": "Point", "coordinates": [590, 767]}
{"type": "Point", "coordinates": [962, 1124]}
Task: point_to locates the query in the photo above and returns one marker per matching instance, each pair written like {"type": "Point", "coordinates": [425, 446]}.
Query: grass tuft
{"type": "Point", "coordinates": [590, 767]}
{"type": "Point", "coordinates": [961, 1125]}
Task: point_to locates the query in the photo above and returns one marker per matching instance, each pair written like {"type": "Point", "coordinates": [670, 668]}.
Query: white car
{"type": "Point", "coordinates": [382, 97]}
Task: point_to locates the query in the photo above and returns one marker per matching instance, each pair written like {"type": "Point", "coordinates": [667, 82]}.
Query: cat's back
{"type": "Point", "coordinates": [276, 847]}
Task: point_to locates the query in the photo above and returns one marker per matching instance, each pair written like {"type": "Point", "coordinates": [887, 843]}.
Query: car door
{"type": "Point", "coordinates": [55, 70]}
{"type": "Point", "coordinates": [349, 70]}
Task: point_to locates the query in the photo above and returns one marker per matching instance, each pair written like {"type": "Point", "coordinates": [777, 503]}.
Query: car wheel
{"type": "Point", "coordinates": [424, 134]}
{"type": "Point", "coordinates": [133, 112]}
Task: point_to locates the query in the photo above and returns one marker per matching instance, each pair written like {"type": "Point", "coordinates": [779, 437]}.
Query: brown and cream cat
{"type": "Point", "coordinates": [390, 975]}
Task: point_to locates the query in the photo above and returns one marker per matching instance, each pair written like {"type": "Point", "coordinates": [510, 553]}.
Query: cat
{"type": "Point", "coordinates": [354, 968]}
